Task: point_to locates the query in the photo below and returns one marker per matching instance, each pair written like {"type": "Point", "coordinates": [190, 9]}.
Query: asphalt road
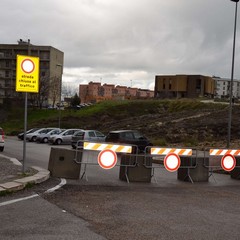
{"type": "Point", "coordinates": [104, 207]}
{"type": "Point", "coordinates": [37, 219]}
{"type": "Point", "coordinates": [37, 154]}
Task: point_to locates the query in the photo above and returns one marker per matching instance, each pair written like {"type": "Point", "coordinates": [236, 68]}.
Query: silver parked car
{"type": "Point", "coordinates": [21, 135]}
{"type": "Point", "coordinates": [43, 137]}
{"type": "Point", "coordinates": [31, 137]}
{"type": "Point", "coordinates": [86, 135]}
{"type": "Point", "coordinates": [64, 137]}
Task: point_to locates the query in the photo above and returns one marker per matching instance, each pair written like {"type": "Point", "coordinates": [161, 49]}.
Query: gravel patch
{"type": "Point", "coordinates": [10, 171]}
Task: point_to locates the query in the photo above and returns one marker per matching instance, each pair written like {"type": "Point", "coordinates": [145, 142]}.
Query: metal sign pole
{"type": "Point", "coordinates": [25, 130]}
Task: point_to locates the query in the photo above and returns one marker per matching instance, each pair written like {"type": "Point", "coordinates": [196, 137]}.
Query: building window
{"type": "Point", "coordinates": [198, 85]}
{"type": "Point", "coordinates": [170, 84]}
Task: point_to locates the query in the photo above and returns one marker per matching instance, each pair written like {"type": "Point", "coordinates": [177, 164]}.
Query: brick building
{"type": "Point", "coordinates": [95, 92]}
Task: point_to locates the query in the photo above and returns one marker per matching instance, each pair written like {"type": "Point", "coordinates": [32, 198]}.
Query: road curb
{"type": "Point", "coordinates": [19, 184]}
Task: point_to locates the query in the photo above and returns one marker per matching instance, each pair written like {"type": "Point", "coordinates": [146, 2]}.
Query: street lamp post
{"type": "Point", "coordinates": [60, 93]}
{"type": "Point", "coordinates": [232, 75]}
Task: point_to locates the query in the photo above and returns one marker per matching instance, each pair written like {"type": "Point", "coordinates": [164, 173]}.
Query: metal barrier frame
{"type": "Point", "coordinates": [217, 158]}
{"type": "Point", "coordinates": [192, 156]}
{"type": "Point", "coordinates": [81, 149]}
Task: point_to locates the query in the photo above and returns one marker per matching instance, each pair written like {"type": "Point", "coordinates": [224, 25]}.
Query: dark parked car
{"type": "Point", "coordinates": [86, 135]}
{"type": "Point", "coordinates": [129, 137]}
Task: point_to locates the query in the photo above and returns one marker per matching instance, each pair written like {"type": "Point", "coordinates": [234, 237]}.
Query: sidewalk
{"type": "Point", "coordinates": [12, 178]}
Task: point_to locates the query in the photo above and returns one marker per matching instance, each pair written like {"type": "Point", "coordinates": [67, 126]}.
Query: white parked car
{"type": "Point", "coordinates": [64, 137]}
{"type": "Point", "coordinates": [1, 140]}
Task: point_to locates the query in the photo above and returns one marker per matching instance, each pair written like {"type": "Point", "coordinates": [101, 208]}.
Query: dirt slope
{"type": "Point", "coordinates": [203, 126]}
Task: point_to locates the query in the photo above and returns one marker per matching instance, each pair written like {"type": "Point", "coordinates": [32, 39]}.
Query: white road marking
{"type": "Point", "coordinates": [63, 182]}
{"type": "Point", "coordinates": [18, 200]}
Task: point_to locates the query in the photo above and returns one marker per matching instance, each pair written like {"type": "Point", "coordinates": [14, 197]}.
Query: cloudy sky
{"type": "Point", "coordinates": [128, 42]}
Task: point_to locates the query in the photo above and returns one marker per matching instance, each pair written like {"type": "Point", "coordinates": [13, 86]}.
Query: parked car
{"type": "Point", "coordinates": [86, 135]}
{"type": "Point", "coordinates": [130, 137]}
{"type": "Point", "coordinates": [21, 135]}
{"type": "Point", "coordinates": [43, 137]}
{"type": "Point", "coordinates": [1, 140]}
{"type": "Point", "coordinates": [64, 137]}
{"type": "Point", "coordinates": [31, 137]}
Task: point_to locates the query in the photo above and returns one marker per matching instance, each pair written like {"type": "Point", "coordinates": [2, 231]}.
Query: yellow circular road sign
{"type": "Point", "coordinates": [27, 77]}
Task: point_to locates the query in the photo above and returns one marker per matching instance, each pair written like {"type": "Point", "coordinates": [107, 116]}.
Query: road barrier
{"type": "Point", "coordinates": [225, 159]}
{"type": "Point", "coordinates": [103, 146]}
{"type": "Point", "coordinates": [165, 151]}
{"type": "Point", "coordinates": [107, 156]}
{"type": "Point", "coordinates": [172, 160]}
{"type": "Point", "coordinates": [61, 163]}
{"type": "Point", "coordinates": [191, 165]}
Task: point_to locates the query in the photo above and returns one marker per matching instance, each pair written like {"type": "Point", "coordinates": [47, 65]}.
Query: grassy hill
{"type": "Point", "coordinates": [166, 122]}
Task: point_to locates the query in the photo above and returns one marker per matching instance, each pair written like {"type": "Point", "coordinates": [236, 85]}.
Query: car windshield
{"type": "Point", "coordinates": [55, 131]}
{"type": "Point", "coordinates": [32, 130]}
{"type": "Point", "coordinates": [44, 131]}
{"type": "Point", "coordinates": [48, 130]}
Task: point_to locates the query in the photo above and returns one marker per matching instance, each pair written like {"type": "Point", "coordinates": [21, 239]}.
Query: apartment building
{"type": "Point", "coordinates": [222, 87]}
{"type": "Point", "coordinates": [50, 72]}
{"type": "Point", "coordinates": [95, 92]}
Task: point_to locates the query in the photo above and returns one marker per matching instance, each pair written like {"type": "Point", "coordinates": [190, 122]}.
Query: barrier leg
{"type": "Point", "coordinates": [188, 176]}
{"type": "Point", "coordinates": [84, 173]}
{"type": "Point", "coordinates": [211, 174]}
{"type": "Point", "coordinates": [126, 175]}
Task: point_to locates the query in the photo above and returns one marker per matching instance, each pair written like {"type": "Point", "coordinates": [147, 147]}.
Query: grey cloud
{"type": "Point", "coordinates": [110, 37]}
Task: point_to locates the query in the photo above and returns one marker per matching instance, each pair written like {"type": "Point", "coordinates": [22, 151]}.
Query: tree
{"type": "Point", "coordinates": [68, 90]}
{"type": "Point", "coordinates": [75, 100]}
{"type": "Point", "coordinates": [55, 85]}
{"type": "Point", "coordinates": [38, 99]}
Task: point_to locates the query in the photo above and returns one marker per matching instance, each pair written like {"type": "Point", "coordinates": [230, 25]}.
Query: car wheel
{"type": "Point", "coordinates": [45, 140]}
{"type": "Point", "coordinates": [34, 138]}
{"type": "Point", "coordinates": [1, 149]}
{"type": "Point", "coordinates": [58, 141]}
